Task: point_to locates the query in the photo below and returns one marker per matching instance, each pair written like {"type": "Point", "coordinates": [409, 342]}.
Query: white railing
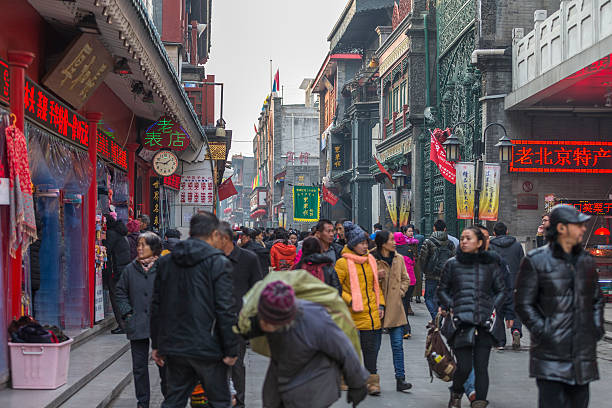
{"type": "Point", "coordinates": [576, 26]}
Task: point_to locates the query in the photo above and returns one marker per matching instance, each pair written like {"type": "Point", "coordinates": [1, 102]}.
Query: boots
{"type": "Point", "coordinates": [409, 311]}
{"type": "Point", "coordinates": [455, 400]}
{"type": "Point", "coordinates": [402, 385]}
{"type": "Point", "coordinates": [479, 404]}
{"type": "Point", "coordinates": [373, 384]}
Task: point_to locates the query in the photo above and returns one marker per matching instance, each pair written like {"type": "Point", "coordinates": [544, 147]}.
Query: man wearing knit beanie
{"type": "Point", "coordinates": [308, 350]}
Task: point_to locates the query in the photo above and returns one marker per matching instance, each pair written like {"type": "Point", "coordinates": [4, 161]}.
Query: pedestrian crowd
{"type": "Point", "coordinates": [187, 300]}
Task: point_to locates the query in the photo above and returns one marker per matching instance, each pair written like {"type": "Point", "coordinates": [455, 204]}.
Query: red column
{"type": "Point", "coordinates": [19, 61]}
{"type": "Point", "coordinates": [93, 118]}
{"type": "Point", "coordinates": [131, 148]}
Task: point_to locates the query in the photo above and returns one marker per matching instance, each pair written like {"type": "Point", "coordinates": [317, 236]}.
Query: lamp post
{"type": "Point", "coordinates": [451, 147]}
{"type": "Point", "coordinates": [399, 180]}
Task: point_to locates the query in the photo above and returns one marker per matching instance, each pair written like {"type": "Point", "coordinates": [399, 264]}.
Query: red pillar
{"type": "Point", "coordinates": [93, 118]}
{"type": "Point", "coordinates": [19, 61]}
{"type": "Point", "coordinates": [131, 148]}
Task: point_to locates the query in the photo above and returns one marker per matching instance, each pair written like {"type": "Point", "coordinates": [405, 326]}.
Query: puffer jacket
{"type": "Point", "coordinates": [192, 311]}
{"type": "Point", "coordinates": [408, 247]}
{"type": "Point", "coordinates": [394, 282]}
{"type": "Point", "coordinates": [558, 298]}
{"type": "Point", "coordinates": [368, 318]}
{"type": "Point", "coordinates": [472, 286]}
{"type": "Point", "coordinates": [320, 265]}
{"type": "Point", "coordinates": [282, 256]}
{"type": "Point", "coordinates": [510, 250]}
{"type": "Point", "coordinates": [429, 248]}
{"type": "Point", "coordinates": [263, 254]}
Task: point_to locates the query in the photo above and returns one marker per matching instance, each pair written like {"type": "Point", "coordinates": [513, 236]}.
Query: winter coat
{"type": "Point", "coordinates": [558, 298]}
{"type": "Point", "coordinates": [170, 243]}
{"type": "Point", "coordinates": [307, 360]}
{"type": "Point", "coordinates": [133, 240]}
{"type": "Point", "coordinates": [263, 254]}
{"type": "Point", "coordinates": [472, 286]}
{"type": "Point", "coordinates": [394, 282]}
{"type": "Point", "coordinates": [192, 303]}
{"type": "Point", "coordinates": [428, 249]}
{"type": "Point", "coordinates": [510, 250]}
{"type": "Point", "coordinates": [134, 297]}
{"type": "Point", "coordinates": [319, 264]}
{"type": "Point", "coordinates": [282, 256]}
{"type": "Point", "coordinates": [368, 318]}
{"type": "Point", "coordinates": [245, 273]}
{"type": "Point", "coordinates": [408, 247]}
{"type": "Point", "coordinates": [117, 249]}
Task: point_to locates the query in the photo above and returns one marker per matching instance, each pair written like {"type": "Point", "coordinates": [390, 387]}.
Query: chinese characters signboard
{"type": "Point", "coordinates": [464, 187]}
{"type": "Point", "coordinates": [591, 207]}
{"type": "Point", "coordinates": [197, 190]}
{"type": "Point", "coordinates": [155, 203]}
{"type": "Point", "coordinates": [306, 202]}
{"type": "Point", "coordinates": [391, 201]}
{"type": "Point", "coordinates": [338, 156]}
{"type": "Point", "coordinates": [173, 181]}
{"type": "Point", "coordinates": [80, 71]}
{"type": "Point", "coordinates": [5, 81]}
{"type": "Point", "coordinates": [52, 114]}
{"type": "Point", "coordinates": [110, 150]}
{"type": "Point", "coordinates": [561, 156]}
{"type": "Point", "coordinates": [405, 207]}
{"type": "Point", "coordinates": [166, 134]}
{"type": "Point", "coordinates": [489, 197]}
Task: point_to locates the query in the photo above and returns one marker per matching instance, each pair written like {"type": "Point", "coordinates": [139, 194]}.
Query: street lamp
{"type": "Point", "coordinates": [505, 147]}
{"type": "Point", "coordinates": [451, 147]}
{"type": "Point", "coordinates": [399, 181]}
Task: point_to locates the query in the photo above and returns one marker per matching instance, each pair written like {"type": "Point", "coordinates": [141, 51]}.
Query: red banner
{"type": "Point", "coordinates": [438, 156]}
{"type": "Point", "coordinates": [226, 189]}
{"type": "Point", "coordinates": [329, 197]}
{"type": "Point", "coordinates": [383, 170]}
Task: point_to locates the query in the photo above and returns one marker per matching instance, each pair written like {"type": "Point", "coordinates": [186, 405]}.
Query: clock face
{"type": "Point", "coordinates": [165, 163]}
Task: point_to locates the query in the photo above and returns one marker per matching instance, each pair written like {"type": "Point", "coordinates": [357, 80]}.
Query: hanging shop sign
{"type": "Point", "coordinates": [111, 151]}
{"type": "Point", "coordinates": [391, 201]}
{"type": "Point", "coordinates": [465, 191]}
{"type": "Point", "coordinates": [404, 212]}
{"type": "Point", "coordinates": [155, 203]}
{"type": "Point", "coordinates": [218, 151]}
{"type": "Point", "coordinates": [5, 81]}
{"type": "Point", "coordinates": [306, 203]}
{"type": "Point", "coordinates": [47, 111]}
{"type": "Point", "coordinates": [489, 197]}
{"type": "Point", "coordinates": [591, 207]}
{"type": "Point", "coordinates": [197, 190]}
{"type": "Point", "coordinates": [166, 134]}
{"type": "Point", "coordinates": [548, 156]}
{"type": "Point", "coordinates": [338, 156]}
{"type": "Point", "coordinates": [397, 149]}
{"type": "Point", "coordinates": [173, 181]}
{"type": "Point", "coordinates": [81, 70]}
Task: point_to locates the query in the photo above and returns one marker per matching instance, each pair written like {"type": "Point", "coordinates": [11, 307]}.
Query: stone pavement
{"type": "Point", "coordinates": [508, 371]}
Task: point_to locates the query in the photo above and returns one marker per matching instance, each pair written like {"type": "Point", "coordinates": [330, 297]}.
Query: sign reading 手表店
{"type": "Point", "coordinates": [80, 71]}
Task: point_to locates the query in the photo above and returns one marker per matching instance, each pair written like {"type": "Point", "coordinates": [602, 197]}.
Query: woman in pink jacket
{"type": "Point", "coordinates": [402, 246]}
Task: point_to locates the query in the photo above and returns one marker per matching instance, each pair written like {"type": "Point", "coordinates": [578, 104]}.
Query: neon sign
{"type": "Point", "coordinates": [173, 181]}
{"type": "Point", "coordinates": [591, 207]}
{"type": "Point", "coordinates": [5, 81]}
{"type": "Point", "coordinates": [546, 156]}
{"type": "Point", "coordinates": [110, 150]}
{"type": "Point", "coordinates": [166, 134]}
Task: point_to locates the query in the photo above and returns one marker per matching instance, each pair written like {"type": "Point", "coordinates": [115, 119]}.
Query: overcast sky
{"type": "Point", "coordinates": [246, 34]}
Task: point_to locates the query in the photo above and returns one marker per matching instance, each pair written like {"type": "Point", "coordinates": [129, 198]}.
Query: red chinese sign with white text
{"type": "Point", "coordinates": [166, 134]}
{"type": "Point", "coordinates": [539, 156]}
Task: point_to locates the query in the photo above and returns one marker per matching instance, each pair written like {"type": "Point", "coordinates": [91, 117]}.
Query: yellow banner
{"type": "Point", "coordinates": [405, 207]}
{"type": "Point", "coordinates": [489, 197]}
{"type": "Point", "coordinates": [465, 190]}
{"type": "Point", "coordinates": [391, 200]}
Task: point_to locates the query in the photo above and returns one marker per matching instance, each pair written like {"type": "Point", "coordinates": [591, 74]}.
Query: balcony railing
{"type": "Point", "coordinates": [399, 122]}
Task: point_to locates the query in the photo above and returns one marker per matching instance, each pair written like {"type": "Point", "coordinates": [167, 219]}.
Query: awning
{"type": "Point", "coordinates": [259, 213]}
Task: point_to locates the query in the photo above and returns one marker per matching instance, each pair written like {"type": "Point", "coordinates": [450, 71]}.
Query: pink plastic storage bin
{"type": "Point", "coordinates": [39, 366]}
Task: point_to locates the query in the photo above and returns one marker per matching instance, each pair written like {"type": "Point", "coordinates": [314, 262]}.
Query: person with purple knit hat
{"type": "Point", "coordinates": [309, 352]}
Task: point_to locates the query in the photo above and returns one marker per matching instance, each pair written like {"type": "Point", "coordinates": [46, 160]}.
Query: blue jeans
{"type": "Point", "coordinates": [397, 347]}
{"type": "Point", "coordinates": [470, 384]}
{"type": "Point", "coordinates": [431, 299]}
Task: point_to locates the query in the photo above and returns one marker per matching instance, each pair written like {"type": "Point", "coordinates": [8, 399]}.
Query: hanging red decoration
{"type": "Point", "coordinates": [602, 231]}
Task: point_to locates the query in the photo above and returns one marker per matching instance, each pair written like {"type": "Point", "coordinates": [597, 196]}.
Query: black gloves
{"type": "Point", "coordinates": [356, 395]}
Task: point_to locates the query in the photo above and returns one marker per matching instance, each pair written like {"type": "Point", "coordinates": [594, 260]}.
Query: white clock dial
{"type": "Point", "coordinates": [165, 163]}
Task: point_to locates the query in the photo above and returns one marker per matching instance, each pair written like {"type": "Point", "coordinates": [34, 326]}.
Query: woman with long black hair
{"type": "Point", "coordinates": [470, 288]}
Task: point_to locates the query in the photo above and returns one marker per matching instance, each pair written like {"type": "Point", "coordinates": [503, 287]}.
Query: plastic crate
{"type": "Point", "coordinates": [39, 366]}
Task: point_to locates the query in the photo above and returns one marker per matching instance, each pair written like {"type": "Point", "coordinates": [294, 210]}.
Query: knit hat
{"type": "Point", "coordinates": [353, 234]}
{"type": "Point", "coordinates": [277, 304]}
{"type": "Point", "coordinates": [133, 226]}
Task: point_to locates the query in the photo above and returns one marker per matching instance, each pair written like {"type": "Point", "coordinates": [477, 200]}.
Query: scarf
{"type": "Point", "coordinates": [22, 222]}
{"type": "Point", "coordinates": [147, 263]}
{"type": "Point", "coordinates": [351, 259]}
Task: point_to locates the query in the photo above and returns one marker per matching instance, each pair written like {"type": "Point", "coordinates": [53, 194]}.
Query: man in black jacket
{"type": "Point", "coordinates": [118, 252]}
{"type": "Point", "coordinates": [192, 316]}
{"type": "Point", "coordinates": [559, 300]}
{"type": "Point", "coordinates": [245, 273]}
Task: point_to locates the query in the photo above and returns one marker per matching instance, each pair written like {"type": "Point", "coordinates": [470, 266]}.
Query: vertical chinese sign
{"type": "Point", "coordinates": [155, 203]}
{"type": "Point", "coordinates": [5, 81]}
{"type": "Point", "coordinates": [489, 197]}
{"type": "Point", "coordinates": [306, 203]}
{"type": "Point", "coordinates": [391, 201]}
{"type": "Point", "coordinates": [405, 207]}
{"type": "Point", "coordinates": [464, 187]}
{"type": "Point", "coordinates": [337, 157]}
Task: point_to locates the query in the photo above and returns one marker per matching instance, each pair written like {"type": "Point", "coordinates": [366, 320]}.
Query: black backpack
{"type": "Point", "coordinates": [441, 254]}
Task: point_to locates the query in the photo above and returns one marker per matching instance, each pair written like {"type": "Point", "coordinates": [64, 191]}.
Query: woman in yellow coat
{"type": "Point", "coordinates": [358, 276]}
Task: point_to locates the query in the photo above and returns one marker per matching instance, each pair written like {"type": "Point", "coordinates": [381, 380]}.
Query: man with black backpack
{"type": "Point", "coordinates": [436, 250]}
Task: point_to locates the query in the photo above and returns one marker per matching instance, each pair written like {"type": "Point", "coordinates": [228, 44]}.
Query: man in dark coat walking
{"type": "Point", "coordinates": [246, 272]}
{"type": "Point", "coordinates": [192, 316]}
{"type": "Point", "coordinates": [118, 252]}
{"type": "Point", "coordinates": [559, 300]}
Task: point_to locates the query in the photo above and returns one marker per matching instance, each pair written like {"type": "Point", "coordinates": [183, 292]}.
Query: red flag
{"type": "Point", "coordinates": [226, 189]}
{"type": "Point", "coordinates": [255, 126]}
{"type": "Point", "coordinates": [383, 170]}
{"type": "Point", "coordinates": [438, 156]}
{"type": "Point", "coordinates": [329, 197]}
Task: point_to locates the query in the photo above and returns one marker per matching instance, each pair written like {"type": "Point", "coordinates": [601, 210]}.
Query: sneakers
{"type": "Point", "coordinates": [516, 340]}
{"type": "Point", "coordinates": [472, 396]}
